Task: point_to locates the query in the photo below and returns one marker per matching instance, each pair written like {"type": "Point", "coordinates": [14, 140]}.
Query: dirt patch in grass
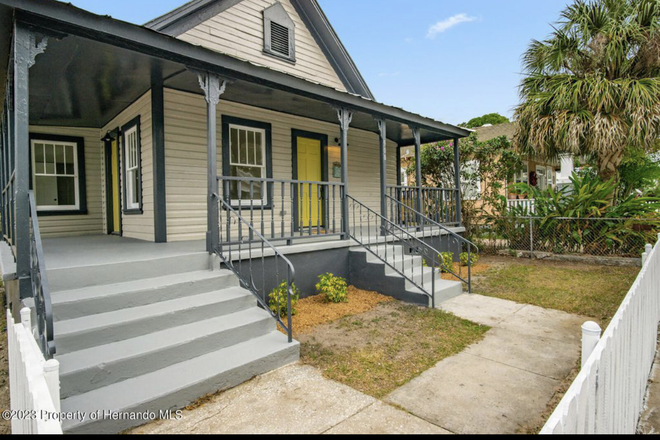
{"type": "Point", "coordinates": [463, 271]}
{"type": "Point", "coordinates": [378, 351]}
{"type": "Point", "coordinates": [313, 311]}
{"type": "Point", "coordinates": [583, 289]}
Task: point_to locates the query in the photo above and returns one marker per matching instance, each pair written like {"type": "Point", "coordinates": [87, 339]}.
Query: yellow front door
{"type": "Point", "coordinates": [116, 214]}
{"type": "Point", "coordinates": [309, 169]}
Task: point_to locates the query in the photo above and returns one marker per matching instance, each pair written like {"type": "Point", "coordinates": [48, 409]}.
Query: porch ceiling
{"type": "Point", "coordinates": [102, 65]}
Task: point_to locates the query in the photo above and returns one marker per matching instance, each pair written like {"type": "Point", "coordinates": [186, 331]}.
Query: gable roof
{"type": "Point", "coordinates": [195, 12]}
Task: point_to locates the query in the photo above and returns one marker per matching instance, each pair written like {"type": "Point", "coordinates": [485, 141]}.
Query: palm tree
{"type": "Point", "coordinates": [592, 88]}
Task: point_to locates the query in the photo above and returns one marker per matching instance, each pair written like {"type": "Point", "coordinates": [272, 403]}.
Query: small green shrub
{"type": "Point", "coordinates": [474, 259]}
{"type": "Point", "coordinates": [278, 299]}
{"type": "Point", "coordinates": [447, 259]}
{"type": "Point", "coordinates": [334, 289]}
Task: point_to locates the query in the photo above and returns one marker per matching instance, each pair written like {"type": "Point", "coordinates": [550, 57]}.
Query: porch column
{"type": "Point", "coordinates": [213, 88]}
{"type": "Point", "coordinates": [25, 48]}
{"type": "Point", "coordinates": [382, 129]}
{"type": "Point", "coordinates": [345, 118]}
{"type": "Point", "coordinates": [418, 172]}
{"type": "Point", "coordinates": [457, 181]}
{"type": "Point", "coordinates": [158, 140]}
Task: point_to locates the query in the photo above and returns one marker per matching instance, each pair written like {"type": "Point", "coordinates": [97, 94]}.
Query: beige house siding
{"type": "Point", "coordinates": [76, 225]}
{"type": "Point", "coordinates": [140, 227]}
{"type": "Point", "coordinates": [239, 32]}
{"type": "Point", "coordinates": [185, 159]}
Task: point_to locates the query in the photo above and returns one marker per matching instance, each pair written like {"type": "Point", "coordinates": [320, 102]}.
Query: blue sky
{"type": "Point", "coordinates": [451, 60]}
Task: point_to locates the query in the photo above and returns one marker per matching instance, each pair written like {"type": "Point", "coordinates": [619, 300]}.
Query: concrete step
{"type": "Point", "coordinates": [178, 385]}
{"type": "Point", "coordinates": [100, 366]}
{"type": "Point", "coordinates": [72, 304]}
{"type": "Point", "coordinates": [79, 277]}
{"type": "Point", "coordinates": [90, 331]}
{"type": "Point", "coordinates": [444, 291]}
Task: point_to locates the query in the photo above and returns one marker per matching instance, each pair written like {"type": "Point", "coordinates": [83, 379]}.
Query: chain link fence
{"type": "Point", "coordinates": [601, 237]}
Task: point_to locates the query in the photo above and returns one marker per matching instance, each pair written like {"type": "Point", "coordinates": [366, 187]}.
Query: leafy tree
{"type": "Point", "coordinates": [491, 164]}
{"type": "Point", "coordinates": [491, 118]}
{"type": "Point", "coordinates": [593, 87]}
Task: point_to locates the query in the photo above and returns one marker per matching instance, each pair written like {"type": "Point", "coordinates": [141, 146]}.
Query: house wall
{"type": "Point", "coordinates": [140, 226]}
{"type": "Point", "coordinates": [186, 168]}
{"type": "Point", "coordinates": [92, 222]}
{"type": "Point", "coordinates": [239, 32]}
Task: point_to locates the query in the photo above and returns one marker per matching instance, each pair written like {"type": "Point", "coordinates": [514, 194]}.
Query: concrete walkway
{"type": "Point", "coordinates": [503, 384]}
{"type": "Point", "coordinates": [500, 386]}
{"type": "Point", "coordinates": [293, 400]}
{"type": "Point", "coordinates": [649, 422]}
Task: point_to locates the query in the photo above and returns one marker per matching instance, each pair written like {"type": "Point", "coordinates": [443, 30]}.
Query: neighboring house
{"type": "Point", "coordinates": [180, 170]}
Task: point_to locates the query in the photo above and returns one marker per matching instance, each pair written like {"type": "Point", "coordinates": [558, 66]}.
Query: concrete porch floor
{"type": "Point", "coordinates": [106, 249]}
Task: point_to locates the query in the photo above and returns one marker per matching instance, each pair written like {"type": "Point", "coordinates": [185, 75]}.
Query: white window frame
{"type": "Point", "coordinates": [263, 166]}
{"type": "Point", "coordinates": [523, 176]}
{"type": "Point", "coordinates": [75, 176]}
{"type": "Point", "coordinates": [132, 167]}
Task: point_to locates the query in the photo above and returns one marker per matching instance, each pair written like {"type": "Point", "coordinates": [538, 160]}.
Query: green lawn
{"type": "Point", "coordinates": [592, 291]}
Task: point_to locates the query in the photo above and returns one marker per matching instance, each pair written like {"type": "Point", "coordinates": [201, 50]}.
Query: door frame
{"type": "Point", "coordinates": [323, 138]}
{"type": "Point", "coordinates": [109, 202]}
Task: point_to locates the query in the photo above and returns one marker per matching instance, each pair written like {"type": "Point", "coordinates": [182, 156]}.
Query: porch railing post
{"type": "Point", "coordinates": [213, 88]}
{"type": "Point", "coordinates": [25, 50]}
{"type": "Point", "coordinates": [418, 174]}
{"type": "Point", "coordinates": [457, 181]}
{"type": "Point", "coordinates": [382, 128]}
{"type": "Point", "coordinates": [345, 117]}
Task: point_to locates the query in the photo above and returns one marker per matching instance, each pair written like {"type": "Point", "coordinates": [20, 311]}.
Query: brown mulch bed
{"type": "Point", "coordinates": [313, 311]}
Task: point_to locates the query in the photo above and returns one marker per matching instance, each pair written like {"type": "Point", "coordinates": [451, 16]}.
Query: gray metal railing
{"type": "Point", "coordinates": [438, 204]}
{"type": "Point", "coordinates": [284, 210]}
{"type": "Point", "coordinates": [414, 219]}
{"type": "Point", "coordinates": [40, 289]}
{"type": "Point", "coordinates": [239, 257]}
{"type": "Point", "coordinates": [381, 237]}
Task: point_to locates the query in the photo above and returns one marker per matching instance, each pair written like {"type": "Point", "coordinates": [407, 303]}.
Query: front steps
{"type": "Point", "coordinates": [129, 345]}
{"type": "Point", "coordinates": [369, 272]}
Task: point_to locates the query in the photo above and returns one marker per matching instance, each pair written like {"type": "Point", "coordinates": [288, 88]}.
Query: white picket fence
{"type": "Point", "coordinates": [608, 395]}
{"type": "Point", "coordinates": [33, 382]}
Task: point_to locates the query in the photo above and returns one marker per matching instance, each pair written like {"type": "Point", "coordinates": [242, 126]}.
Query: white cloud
{"type": "Point", "coordinates": [448, 23]}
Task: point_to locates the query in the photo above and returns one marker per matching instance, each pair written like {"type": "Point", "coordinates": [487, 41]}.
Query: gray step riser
{"type": "Point", "coordinates": [183, 397]}
{"type": "Point", "coordinates": [111, 303]}
{"type": "Point", "coordinates": [371, 276]}
{"type": "Point", "coordinates": [87, 276]}
{"type": "Point", "coordinates": [121, 331]}
{"type": "Point", "coordinates": [107, 374]}
{"type": "Point", "coordinates": [407, 265]}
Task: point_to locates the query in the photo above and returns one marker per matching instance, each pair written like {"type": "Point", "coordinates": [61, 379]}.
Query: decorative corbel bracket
{"type": "Point", "coordinates": [345, 118]}
{"type": "Point", "coordinates": [417, 135]}
{"type": "Point", "coordinates": [38, 45]}
{"type": "Point", "coordinates": [212, 85]}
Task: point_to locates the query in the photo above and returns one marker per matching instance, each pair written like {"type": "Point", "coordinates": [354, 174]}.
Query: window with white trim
{"type": "Point", "coordinates": [247, 159]}
{"type": "Point", "coordinates": [523, 176]}
{"type": "Point", "coordinates": [132, 171]}
{"type": "Point", "coordinates": [55, 175]}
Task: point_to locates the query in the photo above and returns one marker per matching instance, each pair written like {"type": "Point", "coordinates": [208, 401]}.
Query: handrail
{"type": "Point", "coordinates": [225, 253]}
{"type": "Point", "coordinates": [40, 288]}
{"type": "Point", "coordinates": [424, 220]}
{"type": "Point", "coordinates": [418, 244]}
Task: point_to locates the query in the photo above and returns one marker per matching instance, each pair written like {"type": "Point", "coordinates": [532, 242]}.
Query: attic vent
{"type": "Point", "coordinates": [279, 33]}
{"type": "Point", "coordinates": [279, 39]}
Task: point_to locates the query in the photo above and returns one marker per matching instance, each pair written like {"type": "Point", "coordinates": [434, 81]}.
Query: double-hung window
{"type": "Point", "coordinates": [246, 159]}
{"type": "Point", "coordinates": [57, 174]}
{"type": "Point", "coordinates": [132, 168]}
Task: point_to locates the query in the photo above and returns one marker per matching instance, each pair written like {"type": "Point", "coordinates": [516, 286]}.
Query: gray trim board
{"type": "Point", "coordinates": [186, 17]}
